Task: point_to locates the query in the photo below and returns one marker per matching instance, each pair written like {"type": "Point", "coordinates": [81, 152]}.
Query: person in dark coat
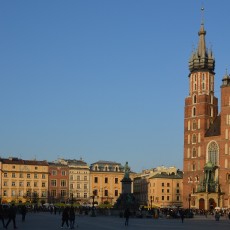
{"type": "Point", "coordinates": [23, 212]}
{"type": "Point", "coordinates": [71, 217]}
{"type": "Point", "coordinates": [126, 215]}
{"type": "Point", "coordinates": [65, 217]}
{"type": "Point", "coordinates": [12, 216]}
{"type": "Point", "coordinates": [2, 215]}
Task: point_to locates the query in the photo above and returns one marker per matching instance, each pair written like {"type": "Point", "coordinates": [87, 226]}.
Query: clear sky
{"type": "Point", "coordinates": [102, 79]}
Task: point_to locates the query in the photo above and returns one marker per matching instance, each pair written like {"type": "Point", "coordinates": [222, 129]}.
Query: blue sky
{"type": "Point", "coordinates": [102, 79]}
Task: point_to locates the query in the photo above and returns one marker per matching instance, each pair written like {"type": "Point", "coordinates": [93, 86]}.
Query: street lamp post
{"type": "Point", "coordinates": [189, 201]}
{"type": "Point", "coordinates": [93, 208]}
{"type": "Point", "coordinates": [151, 200]}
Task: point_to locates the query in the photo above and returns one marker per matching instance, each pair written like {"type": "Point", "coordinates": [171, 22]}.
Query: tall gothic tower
{"type": "Point", "coordinates": [201, 110]}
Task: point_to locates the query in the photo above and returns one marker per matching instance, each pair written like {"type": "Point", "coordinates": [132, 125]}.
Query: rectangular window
{"type": "Point", "coordinates": [106, 180]}
{"type": "Point", "coordinates": [21, 184]}
{"type": "Point", "coordinates": [162, 198]}
{"type": "Point", "coordinates": [167, 190]}
{"type": "Point", "coordinates": [54, 172]}
{"type": "Point", "coordinates": [78, 186]}
{"type": "Point", "coordinates": [13, 175]}
{"type": "Point", "coordinates": [35, 176]}
{"type": "Point", "coordinates": [4, 193]}
{"type": "Point", "coordinates": [43, 176]}
{"type": "Point", "coordinates": [53, 193]}
{"type": "Point", "coordinates": [162, 190]}
{"type": "Point", "coordinates": [43, 193]}
{"type": "Point", "coordinates": [95, 180]}
{"type": "Point", "coordinates": [63, 173]}
{"type": "Point", "coordinates": [116, 193]}
{"type": "Point", "coordinates": [20, 193]}
{"type": "Point", "coordinates": [85, 186]}
{"type": "Point", "coordinates": [54, 183]}
{"type": "Point", "coordinates": [116, 180]}
{"type": "Point", "coordinates": [28, 175]}
{"type": "Point", "coordinates": [5, 183]}
{"type": "Point", "coordinates": [106, 192]}
{"type": "Point", "coordinates": [13, 184]}
{"type": "Point", "coordinates": [85, 178]}
{"type": "Point", "coordinates": [28, 184]}
{"type": "Point", "coordinates": [35, 184]}
{"type": "Point", "coordinates": [5, 174]}
{"type": "Point", "coordinates": [43, 184]}
{"type": "Point", "coordinates": [162, 184]}
{"type": "Point", "coordinates": [63, 183]}
{"type": "Point", "coordinates": [21, 175]}
{"type": "Point", "coordinates": [78, 195]}
{"type": "Point", "coordinates": [85, 195]}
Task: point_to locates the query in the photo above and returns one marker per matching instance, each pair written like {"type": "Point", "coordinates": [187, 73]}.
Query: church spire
{"type": "Point", "coordinates": [202, 59]}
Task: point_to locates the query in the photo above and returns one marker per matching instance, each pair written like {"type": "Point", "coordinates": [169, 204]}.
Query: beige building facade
{"type": "Point", "coordinates": [23, 180]}
{"type": "Point", "coordinates": [159, 187]}
{"type": "Point", "coordinates": [105, 181]}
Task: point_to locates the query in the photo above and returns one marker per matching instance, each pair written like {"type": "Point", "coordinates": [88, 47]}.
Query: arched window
{"type": "Point", "coordinates": [194, 111]}
{"type": "Point", "coordinates": [194, 99]}
{"type": "Point", "coordinates": [194, 138]}
{"type": "Point", "coordinates": [194, 152]}
{"type": "Point", "coordinates": [194, 86]}
{"type": "Point", "coordinates": [194, 124]}
{"type": "Point", "coordinates": [213, 152]}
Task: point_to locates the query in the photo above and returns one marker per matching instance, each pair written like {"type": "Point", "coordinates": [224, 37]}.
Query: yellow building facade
{"type": "Point", "coordinates": [159, 187]}
{"type": "Point", "coordinates": [105, 181]}
{"type": "Point", "coordinates": [23, 180]}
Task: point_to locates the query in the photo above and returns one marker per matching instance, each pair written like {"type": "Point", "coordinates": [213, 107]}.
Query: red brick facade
{"type": "Point", "coordinates": [206, 178]}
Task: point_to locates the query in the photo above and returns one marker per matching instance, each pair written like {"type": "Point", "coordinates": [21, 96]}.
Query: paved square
{"type": "Point", "coordinates": [46, 221]}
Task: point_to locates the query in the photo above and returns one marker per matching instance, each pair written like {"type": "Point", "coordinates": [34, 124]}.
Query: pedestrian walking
{"type": "Point", "coordinates": [65, 217]}
{"type": "Point", "coordinates": [23, 212]}
{"type": "Point", "coordinates": [126, 215]}
{"type": "Point", "coordinates": [2, 215]}
{"type": "Point", "coordinates": [182, 216]}
{"type": "Point", "coordinates": [71, 217]}
{"type": "Point", "coordinates": [12, 216]}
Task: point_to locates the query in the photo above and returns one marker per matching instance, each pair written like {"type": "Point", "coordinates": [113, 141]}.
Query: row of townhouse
{"type": "Point", "coordinates": [66, 180]}
{"type": "Point", "coordinates": [60, 181]}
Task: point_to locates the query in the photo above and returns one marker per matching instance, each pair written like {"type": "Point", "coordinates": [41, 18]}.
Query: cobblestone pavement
{"type": "Point", "coordinates": [46, 221]}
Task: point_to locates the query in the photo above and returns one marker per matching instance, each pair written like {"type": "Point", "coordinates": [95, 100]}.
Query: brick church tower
{"type": "Point", "coordinates": [206, 180]}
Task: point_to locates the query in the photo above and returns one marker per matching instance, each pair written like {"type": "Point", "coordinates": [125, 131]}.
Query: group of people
{"type": "Point", "coordinates": [10, 214]}
{"type": "Point", "coordinates": [68, 217]}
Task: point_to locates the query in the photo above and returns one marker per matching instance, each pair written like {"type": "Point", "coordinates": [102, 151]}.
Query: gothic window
{"type": "Point", "coordinates": [195, 78]}
{"type": "Point", "coordinates": [194, 86]}
{"type": "Point", "coordinates": [193, 152]}
{"type": "Point", "coordinates": [194, 138]}
{"type": "Point", "coordinates": [193, 167]}
{"type": "Point", "coordinates": [203, 78]}
{"type": "Point", "coordinates": [194, 111]}
{"type": "Point", "coordinates": [194, 124]}
{"type": "Point", "coordinates": [213, 153]}
{"type": "Point", "coordinates": [194, 99]}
